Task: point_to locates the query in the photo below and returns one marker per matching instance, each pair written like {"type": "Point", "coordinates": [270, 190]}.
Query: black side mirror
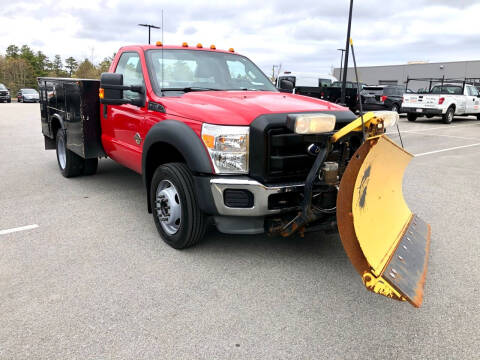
{"type": "Point", "coordinates": [286, 85]}
{"type": "Point", "coordinates": [112, 86]}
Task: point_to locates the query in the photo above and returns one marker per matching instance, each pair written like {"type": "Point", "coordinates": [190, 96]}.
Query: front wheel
{"type": "Point", "coordinates": [176, 213]}
{"type": "Point", "coordinates": [70, 164]}
{"type": "Point", "coordinates": [411, 117]}
{"type": "Point", "coordinates": [448, 116]}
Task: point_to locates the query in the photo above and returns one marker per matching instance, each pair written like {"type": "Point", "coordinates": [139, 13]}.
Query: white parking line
{"type": "Point", "coordinates": [434, 128]}
{"type": "Point", "coordinates": [21, 228]}
{"type": "Point", "coordinates": [449, 149]}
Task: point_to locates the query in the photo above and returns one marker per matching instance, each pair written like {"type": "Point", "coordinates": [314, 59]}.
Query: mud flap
{"type": "Point", "coordinates": [386, 243]}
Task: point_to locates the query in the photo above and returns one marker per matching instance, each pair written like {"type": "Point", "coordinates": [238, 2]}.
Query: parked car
{"type": "Point", "coordinates": [5, 94]}
{"type": "Point", "coordinates": [27, 95]}
{"type": "Point", "coordinates": [445, 100]}
{"type": "Point", "coordinates": [382, 97]}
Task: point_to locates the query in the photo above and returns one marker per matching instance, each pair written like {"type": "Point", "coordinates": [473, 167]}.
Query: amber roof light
{"type": "Point", "coordinates": [199, 46]}
{"type": "Point", "coordinates": [231, 50]}
{"type": "Point", "coordinates": [213, 47]}
{"type": "Point", "coordinates": [159, 43]}
{"type": "Point", "coordinates": [185, 44]}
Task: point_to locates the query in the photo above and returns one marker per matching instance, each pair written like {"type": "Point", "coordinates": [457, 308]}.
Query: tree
{"type": "Point", "coordinates": [57, 65]}
{"type": "Point", "coordinates": [12, 51]}
{"type": "Point", "coordinates": [105, 64]}
{"type": "Point", "coordinates": [71, 65]}
{"type": "Point", "coordinates": [86, 70]}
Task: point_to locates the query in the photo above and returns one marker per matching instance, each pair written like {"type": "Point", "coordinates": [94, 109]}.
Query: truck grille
{"type": "Point", "coordinates": [3, 93]}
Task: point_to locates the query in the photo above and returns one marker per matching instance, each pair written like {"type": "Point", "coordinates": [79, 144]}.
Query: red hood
{"type": "Point", "coordinates": [241, 107]}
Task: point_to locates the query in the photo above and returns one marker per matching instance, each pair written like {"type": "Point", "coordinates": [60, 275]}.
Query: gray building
{"type": "Point", "coordinates": [397, 74]}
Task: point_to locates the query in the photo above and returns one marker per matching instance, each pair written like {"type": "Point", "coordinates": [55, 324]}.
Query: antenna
{"type": "Point", "coordinates": [163, 80]}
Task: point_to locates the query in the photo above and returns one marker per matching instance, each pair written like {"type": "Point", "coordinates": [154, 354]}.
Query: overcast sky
{"type": "Point", "coordinates": [302, 35]}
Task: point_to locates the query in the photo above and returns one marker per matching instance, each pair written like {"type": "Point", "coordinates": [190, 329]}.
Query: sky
{"type": "Point", "coordinates": [301, 35]}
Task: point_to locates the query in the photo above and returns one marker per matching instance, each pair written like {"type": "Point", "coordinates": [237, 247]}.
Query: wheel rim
{"type": "Point", "coordinates": [395, 108]}
{"type": "Point", "coordinates": [168, 207]}
{"type": "Point", "coordinates": [62, 156]}
{"type": "Point", "coordinates": [450, 115]}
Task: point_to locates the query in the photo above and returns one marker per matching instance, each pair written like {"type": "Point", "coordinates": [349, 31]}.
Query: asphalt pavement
{"type": "Point", "coordinates": [89, 278]}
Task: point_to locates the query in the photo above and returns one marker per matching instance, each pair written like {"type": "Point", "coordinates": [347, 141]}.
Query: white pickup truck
{"type": "Point", "coordinates": [445, 100]}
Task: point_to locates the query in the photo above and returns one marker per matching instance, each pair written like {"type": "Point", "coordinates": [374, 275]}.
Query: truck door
{"type": "Point", "coordinates": [473, 101]}
{"type": "Point", "coordinates": [121, 129]}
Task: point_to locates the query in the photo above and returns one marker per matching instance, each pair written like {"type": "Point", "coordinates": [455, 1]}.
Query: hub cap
{"type": "Point", "coordinates": [62, 156]}
{"type": "Point", "coordinates": [168, 207]}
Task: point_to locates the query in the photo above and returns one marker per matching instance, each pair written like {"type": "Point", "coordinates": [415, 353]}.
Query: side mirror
{"type": "Point", "coordinates": [286, 85]}
{"type": "Point", "coordinates": [112, 86]}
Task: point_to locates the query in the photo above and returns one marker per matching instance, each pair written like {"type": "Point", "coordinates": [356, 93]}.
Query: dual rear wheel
{"type": "Point", "coordinates": [71, 164]}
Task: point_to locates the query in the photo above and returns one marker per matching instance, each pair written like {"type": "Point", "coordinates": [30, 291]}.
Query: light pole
{"type": "Point", "coordinates": [341, 64]}
{"type": "Point", "coordinates": [347, 45]}
{"type": "Point", "coordinates": [149, 27]}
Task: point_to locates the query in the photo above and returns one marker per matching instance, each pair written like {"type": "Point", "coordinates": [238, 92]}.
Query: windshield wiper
{"type": "Point", "coordinates": [191, 88]}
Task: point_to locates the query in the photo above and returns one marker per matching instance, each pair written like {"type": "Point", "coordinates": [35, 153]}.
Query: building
{"type": "Point", "coordinates": [397, 74]}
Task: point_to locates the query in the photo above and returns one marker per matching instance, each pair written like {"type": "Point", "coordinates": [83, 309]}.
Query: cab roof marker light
{"type": "Point", "coordinates": [159, 43]}
{"type": "Point", "coordinates": [199, 45]}
{"type": "Point", "coordinates": [184, 44]}
{"type": "Point", "coordinates": [212, 47]}
{"type": "Point", "coordinates": [231, 50]}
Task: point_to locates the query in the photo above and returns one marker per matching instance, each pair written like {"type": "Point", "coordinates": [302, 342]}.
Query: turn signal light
{"type": "Point", "coordinates": [209, 140]}
{"type": "Point", "coordinates": [441, 100]}
{"type": "Point", "coordinates": [101, 93]}
{"type": "Point", "coordinates": [213, 47]}
{"type": "Point", "coordinates": [231, 50]}
{"type": "Point", "coordinates": [159, 43]}
{"type": "Point", "coordinates": [185, 44]}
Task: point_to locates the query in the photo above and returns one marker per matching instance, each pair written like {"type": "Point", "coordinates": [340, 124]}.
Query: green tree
{"type": "Point", "coordinates": [57, 66]}
{"type": "Point", "coordinates": [86, 70]}
{"type": "Point", "coordinates": [12, 51]}
{"type": "Point", "coordinates": [105, 64]}
{"type": "Point", "coordinates": [71, 65]}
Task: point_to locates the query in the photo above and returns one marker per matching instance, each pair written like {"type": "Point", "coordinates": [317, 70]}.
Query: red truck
{"type": "Point", "coordinates": [217, 143]}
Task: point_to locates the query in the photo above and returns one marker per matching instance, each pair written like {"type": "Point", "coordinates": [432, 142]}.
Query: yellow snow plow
{"type": "Point", "coordinates": [386, 243]}
{"type": "Point", "coordinates": [363, 169]}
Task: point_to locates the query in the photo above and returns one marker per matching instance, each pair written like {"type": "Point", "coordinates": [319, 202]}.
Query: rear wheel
{"type": "Point", "coordinates": [70, 164]}
{"type": "Point", "coordinates": [395, 108]}
{"type": "Point", "coordinates": [448, 116]}
{"type": "Point", "coordinates": [411, 117]}
{"type": "Point", "coordinates": [176, 213]}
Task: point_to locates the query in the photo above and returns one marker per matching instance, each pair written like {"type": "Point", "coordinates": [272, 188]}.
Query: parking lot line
{"type": "Point", "coordinates": [448, 149]}
{"type": "Point", "coordinates": [21, 228]}
{"type": "Point", "coordinates": [434, 128]}
{"type": "Point", "coordinates": [449, 136]}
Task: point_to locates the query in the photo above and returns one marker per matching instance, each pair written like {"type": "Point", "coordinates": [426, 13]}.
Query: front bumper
{"type": "Point", "coordinates": [260, 205]}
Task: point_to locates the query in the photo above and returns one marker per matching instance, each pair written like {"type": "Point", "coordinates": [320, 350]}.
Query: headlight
{"type": "Point", "coordinates": [311, 123]}
{"type": "Point", "coordinates": [227, 147]}
{"type": "Point", "coordinates": [389, 118]}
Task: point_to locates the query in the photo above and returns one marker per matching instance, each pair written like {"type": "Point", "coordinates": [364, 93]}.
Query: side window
{"type": "Point", "coordinates": [472, 91]}
{"type": "Point", "coordinates": [131, 67]}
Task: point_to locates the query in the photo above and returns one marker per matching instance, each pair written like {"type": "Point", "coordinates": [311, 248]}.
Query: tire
{"type": "Point", "coordinates": [395, 108]}
{"type": "Point", "coordinates": [90, 166]}
{"type": "Point", "coordinates": [478, 116]}
{"type": "Point", "coordinates": [70, 164]}
{"type": "Point", "coordinates": [173, 199]}
{"type": "Point", "coordinates": [448, 116]}
{"type": "Point", "coordinates": [411, 117]}
{"type": "Point", "coordinates": [9, 100]}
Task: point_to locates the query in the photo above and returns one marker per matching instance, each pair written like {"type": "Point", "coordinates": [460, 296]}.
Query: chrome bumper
{"type": "Point", "coordinates": [260, 193]}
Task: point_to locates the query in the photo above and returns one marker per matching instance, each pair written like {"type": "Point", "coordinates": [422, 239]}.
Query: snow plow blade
{"type": "Point", "coordinates": [387, 244]}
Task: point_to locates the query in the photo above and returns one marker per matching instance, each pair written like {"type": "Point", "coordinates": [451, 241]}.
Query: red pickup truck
{"type": "Point", "coordinates": [217, 143]}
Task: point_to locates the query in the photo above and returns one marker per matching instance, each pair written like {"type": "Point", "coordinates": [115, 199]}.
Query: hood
{"type": "Point", "coordinates": [241, 107]}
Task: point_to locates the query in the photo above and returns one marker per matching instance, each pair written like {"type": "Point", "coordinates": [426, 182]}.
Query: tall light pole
{"type": "Point", "coordinates": [149, 27]}
{"type": "Point", "coordinates": [347, 45]}
{"type": "Point", "coordinates": [341, 65]}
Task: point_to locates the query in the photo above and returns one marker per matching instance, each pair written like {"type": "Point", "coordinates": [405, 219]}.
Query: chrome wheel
{"type": "Point", "coordinates": [450, 116]}
{"type": "Point", "coordinates": [62, 155]}
{"type": "Point", "coordinates": [168, 207]}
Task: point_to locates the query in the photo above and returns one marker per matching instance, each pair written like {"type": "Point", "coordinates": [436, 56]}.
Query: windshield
{"type": "Point", "coordinates": [29, 91]}
{"type": "Point", "coordinates": [447, 89]}
{"type": "Point", "coordinates": [2, 87]}
{"type": "Point", "coordinates": [190, 70]}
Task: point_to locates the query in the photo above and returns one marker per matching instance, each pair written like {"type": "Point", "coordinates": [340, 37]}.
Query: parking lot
{"type": "Point", "coordinates": [90, 279]}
